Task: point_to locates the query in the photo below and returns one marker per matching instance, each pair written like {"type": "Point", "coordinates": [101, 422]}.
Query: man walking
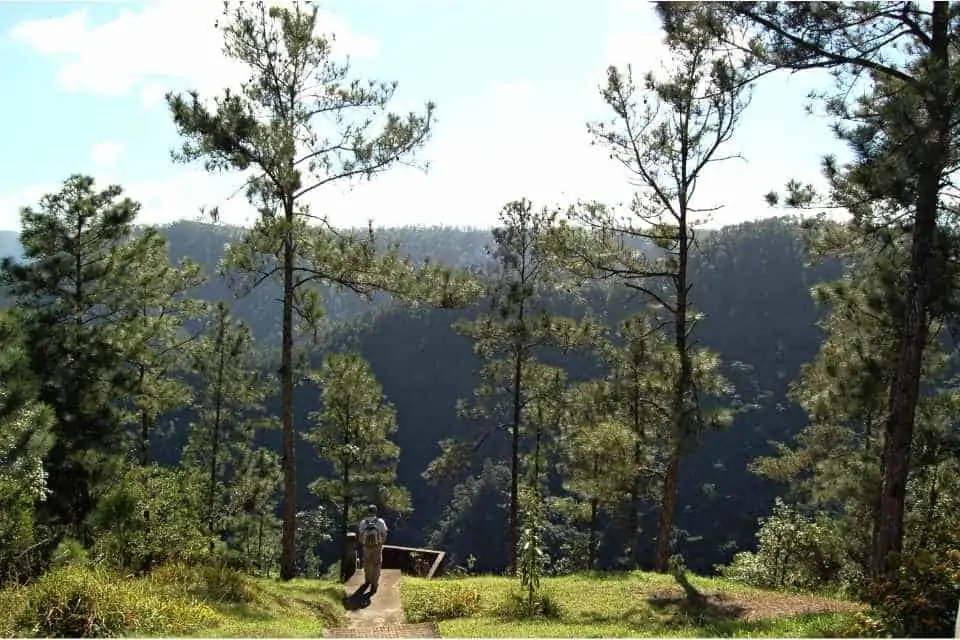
{"type": "Point", "coordinates": [372, 534]}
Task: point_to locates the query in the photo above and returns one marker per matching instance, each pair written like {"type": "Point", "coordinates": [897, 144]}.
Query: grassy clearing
{"type": "Point", "coordinates": [635, 604]}
{"type": "Point", "coordinates": [173, 601]}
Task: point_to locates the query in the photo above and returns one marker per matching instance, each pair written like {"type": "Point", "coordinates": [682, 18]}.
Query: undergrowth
{"type": "Point", "coordinates": [83, 601]}
{"type": "Point", "coordinates": [89, 602]}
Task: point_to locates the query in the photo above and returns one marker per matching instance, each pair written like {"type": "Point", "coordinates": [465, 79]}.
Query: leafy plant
{"type": "Point", "coordinates": [794, 551]}
{"type": "Point", "coordinates": [919, 600]}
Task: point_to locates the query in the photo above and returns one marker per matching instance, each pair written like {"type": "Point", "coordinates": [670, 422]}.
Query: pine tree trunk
{"type": "Point", "coordinates": [594, 532]}
{"type": "Point", "coordinates": [682, 426]}
{"type": "Point", "coordinates": [260, 545]}
{"type": "Point", "coordinates": [904, 393]}
{"type": "Point", "coordinates": [633, 523]}
{"type": "Point", "coordinates": [289, 540]}
{"type": "Point", "coordinates": [633, 520]}
{"type": "Point", "coordinates": [515, 464]}
{"type": "Point", "coordinates": [215, 436]}
{"type": "Point", "coordinates": [668, 507]}
{"type": "Point", "coordinates": [348, 562]}
{"type": "Point", "coordinates": [905, 388]}
{"type": "Point", "coordinates": [144, 425]}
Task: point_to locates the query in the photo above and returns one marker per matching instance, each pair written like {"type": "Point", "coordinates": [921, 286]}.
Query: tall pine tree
{"type": "Point", "coordinates": [72, 293]}
{"type": "Point", "coordinates": [298, 124]}
{"type": "Point", "coordinates": [352, 432]}
{"type": "Point", "coordinates": [667, 132]}
{"type": "Point", "coordinates": [895, 104]}
{"type": "Point", "coordinates": [229, 410]}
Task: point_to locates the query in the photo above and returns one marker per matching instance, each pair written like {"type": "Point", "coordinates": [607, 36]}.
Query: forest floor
{"type": "Point", "coordinates": [621, 605]}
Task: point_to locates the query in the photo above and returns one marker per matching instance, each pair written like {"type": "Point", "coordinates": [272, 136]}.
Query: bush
{"type": "Point", "coordinates": [84, 602]}
{"type": "Point", "coordinates": [443, 600]}
{"type": "Point", "coordinates": [920, 600]}
{"type": "Point", "coordinates": [209, 582]}
{"type": "Point", "coordinates": [18, 534]}
{"type": "Point", "coordinates": [794, 551]}
{"type": "Point", "coordinates": [146, 518]}
{"type": "Point", "coordinates": [68, 552]}
{"type": "Point", "coordinates": [519, 606]}
{"type": "Point", "coordinates": [11, 602]}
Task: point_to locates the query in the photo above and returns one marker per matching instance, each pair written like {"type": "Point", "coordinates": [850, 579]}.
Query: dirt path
{"type": "Point", "coordinates": [380, 616]}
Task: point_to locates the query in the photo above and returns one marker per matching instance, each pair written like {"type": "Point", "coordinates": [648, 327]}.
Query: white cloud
{"type": "Point", "coordinates": [502, 143]}
{"type": "Point", "coordinates": [104, 155]}
{"type": "Point", "coordinates": [163, 43]}
{"type": "Point", "coordinates": [11, 202]}
{"type": "Point", "coordinates": [633, 37]}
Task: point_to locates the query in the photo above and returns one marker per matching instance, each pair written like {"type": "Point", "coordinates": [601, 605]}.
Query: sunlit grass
{"type": "Point", "coordinates": [620, 605]}
{"type": "Point", "coordinates": [299, 608]}
{"type": "Point", "coordinates": [177, 600]}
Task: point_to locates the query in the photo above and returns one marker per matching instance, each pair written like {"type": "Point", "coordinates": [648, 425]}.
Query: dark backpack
{"type": "Point", "coordinates": [370, 534]}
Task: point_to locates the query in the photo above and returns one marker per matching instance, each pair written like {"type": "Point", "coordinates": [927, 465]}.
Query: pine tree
{"type": "Point", "coordinates": [597, 456]}
{"type": "Point", "coordinates": [638, 379]}
{"type": "Point", "coordinates": [301, 123]}
{"type": "Point", "coordinates": [352, 433]}
{"type": "Point", "coordinates": [72, 294]}
{"type": "Point", "coordinates": [835, 464]}
{"type": "Point", "coordinates": [25, 440]}
{"type": "Point", "coordinates": [543, 401]}
{"type": "Point", "coordinates": [666, 132]}
{"type": "Point", "coordinates": [229, 408]}
{"type": "Point", "coordinates": [254, 530]}
{"type": "Point", "coordinates": [508, 339]}
{"type": "Point", "coordinates": [157, 308]}
{"type": "Point", "coordinates": [902, 134]}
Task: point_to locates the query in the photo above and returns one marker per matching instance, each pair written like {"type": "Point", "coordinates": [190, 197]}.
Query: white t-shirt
{"type": "Point", "coordinates": [378, 522]}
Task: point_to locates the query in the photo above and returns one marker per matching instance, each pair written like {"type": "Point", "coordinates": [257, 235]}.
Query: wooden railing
{"type": "Point", "coordinates": [425, 563]}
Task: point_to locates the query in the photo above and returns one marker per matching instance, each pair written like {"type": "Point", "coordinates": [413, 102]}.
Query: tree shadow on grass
{"type": "Point", "coordinates": [709, 609]}
{"type": "Point", "coordinates": [635, 617]}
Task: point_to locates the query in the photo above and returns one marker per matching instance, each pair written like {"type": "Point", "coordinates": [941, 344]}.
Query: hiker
{"type": "Point", "coordinates": [371, 535]}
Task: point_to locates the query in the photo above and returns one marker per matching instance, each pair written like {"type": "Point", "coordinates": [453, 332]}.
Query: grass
{"type": "Point", "coordinates": [634, 604]}
{"type": "Point", "coordinates": [80, 601]}
{"type": "Point", "coordinates": [300, 608]}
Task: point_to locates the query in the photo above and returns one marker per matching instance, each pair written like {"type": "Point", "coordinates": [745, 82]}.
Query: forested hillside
{"type": "Point", "coordinates": [752, 285]}
{"type": "Point", "coordinates": [582, 388]}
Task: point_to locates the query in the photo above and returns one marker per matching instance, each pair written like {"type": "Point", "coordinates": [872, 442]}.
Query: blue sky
{"type": "Point", "coordinates": [514, 82]}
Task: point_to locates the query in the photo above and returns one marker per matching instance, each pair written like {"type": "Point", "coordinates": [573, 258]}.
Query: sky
{"type": "Point", "coordinates": [515, 83]}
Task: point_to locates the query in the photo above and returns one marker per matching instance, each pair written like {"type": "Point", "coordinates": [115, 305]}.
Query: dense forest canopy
{"type": "Point", "coordinates": [583, 387]}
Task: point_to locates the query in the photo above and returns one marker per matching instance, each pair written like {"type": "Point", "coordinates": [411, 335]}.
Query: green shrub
{"type": "Point", "coordinates": [443, 600]}
{"type": "Point", "coordinates": [69, 551]}
{"type": "Point", "coordinates": [147, 516]}
{"type": "Point", "coordinates": [519, 606]}
{"type": "Point", "coordinates": [11, 602]}
{"type": "Point", "coordinates": [920, 600]}
{"type": "Point", "coordinates": [209, 582]}
{"type": "Point", "coordinates": [85, 602]}
{"type": "Point", "coordinates": [794, 551]}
